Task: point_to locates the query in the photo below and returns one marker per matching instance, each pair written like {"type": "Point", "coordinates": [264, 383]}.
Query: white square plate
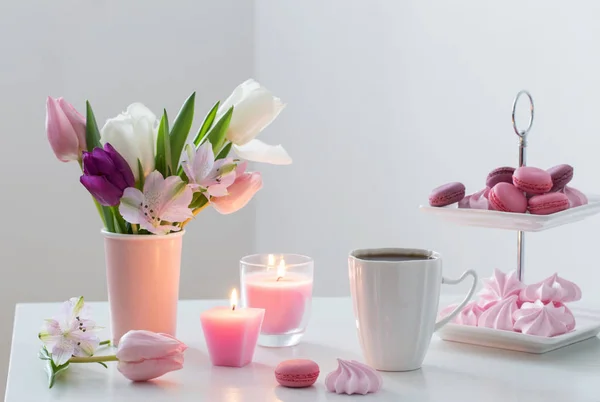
{"type": "Point", "coordinates": [513, 221]}
{"type": "Point", "coordinates": [587, 326]}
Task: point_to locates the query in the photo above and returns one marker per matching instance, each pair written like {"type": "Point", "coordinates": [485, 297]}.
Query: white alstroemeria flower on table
{"type": "Point", "coordinates": [71, 333]}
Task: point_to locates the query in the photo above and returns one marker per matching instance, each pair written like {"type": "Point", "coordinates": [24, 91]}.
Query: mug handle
{"type": "Point", "coordinates": [458, 308]}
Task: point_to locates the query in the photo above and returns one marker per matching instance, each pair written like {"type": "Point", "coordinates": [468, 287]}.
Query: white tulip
{"type": "Point", "coordinates": [254, 108]}
{"type": "Point", "coordinates": [133, 134]}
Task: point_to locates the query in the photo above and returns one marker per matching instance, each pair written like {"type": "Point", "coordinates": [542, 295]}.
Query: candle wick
{"type": "Point", "coordinates": [278, 278]}
{"type": "Point", "coordinates": [233, 308]}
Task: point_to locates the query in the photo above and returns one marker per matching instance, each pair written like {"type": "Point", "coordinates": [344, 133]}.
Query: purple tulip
{"type": "Point", "coordinates": [106, 175]}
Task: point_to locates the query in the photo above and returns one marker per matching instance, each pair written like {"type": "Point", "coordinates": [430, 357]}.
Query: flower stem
{"type": "Point", "coordinates": [196, 212]}
{"type": "Point", "coordinates": [120, 222]}
{"type": "Point", "coordinates": [94, 359]}
{"type": "Point", "coordinates": [106, 342]}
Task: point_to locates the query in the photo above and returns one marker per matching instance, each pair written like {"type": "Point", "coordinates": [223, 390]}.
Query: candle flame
{"type": "Point", "coordinates": [281, 269]}
{"type": "Point", "coordinates": [234, 299]}
{"type": "Point", "coordinates": [270, 260]}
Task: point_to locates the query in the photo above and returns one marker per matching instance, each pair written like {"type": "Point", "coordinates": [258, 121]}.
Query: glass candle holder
{"type": "Point", "coordinates": [281, 284]}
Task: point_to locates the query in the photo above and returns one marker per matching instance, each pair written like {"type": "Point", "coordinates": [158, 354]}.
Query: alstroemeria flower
{"type": "Point", "coordinates": [71, 333]}
{"type": "Point", "coordinates": [206, 174]}
{"type": "Point", "coordinates": [163, 202]}
{"type": "Point", "coordinates": [254, 108]}
{"type": "Point", "coordinates": [240, 192]}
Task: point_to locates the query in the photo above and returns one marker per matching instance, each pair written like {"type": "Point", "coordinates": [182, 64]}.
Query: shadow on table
{"type": "Point", "coordinates": [573, 356]}
{"type": "Point", "coordinates": [285, 394]}
{"type": "Point", "coordinates": [155, 385]}
{"type": "Point", "coordinates": [194, 357]}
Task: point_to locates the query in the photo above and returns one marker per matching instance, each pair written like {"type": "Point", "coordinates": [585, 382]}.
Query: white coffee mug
{"type": "Point", "coordinates": [395, 293]}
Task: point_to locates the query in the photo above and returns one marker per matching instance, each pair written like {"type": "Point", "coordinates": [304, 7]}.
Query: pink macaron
{"type": "Point", "coordinates": [502, 174]}
{"type": "Point", "coordinates": [532, 180]}
{"type": "Point", "coordinates": [297, 373]}
{"type": "Point", "coordinates": [546, 204]}
{"type": "Point", "coordinates": [507, 198]}
{"type": "Point", "coordinates": [447, 194]}
{"type": "Point", "coordinates": [561, 176]}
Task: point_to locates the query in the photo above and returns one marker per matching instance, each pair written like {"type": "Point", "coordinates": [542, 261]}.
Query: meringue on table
{"type": "Point", "coordinates": [352, 377]}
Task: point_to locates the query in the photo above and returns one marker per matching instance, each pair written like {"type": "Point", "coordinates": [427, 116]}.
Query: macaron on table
{"type": "Point", "coordinates": [524, 199]}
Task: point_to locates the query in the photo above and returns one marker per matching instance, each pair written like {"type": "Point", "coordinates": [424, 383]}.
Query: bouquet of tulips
{"type": "Point", "coordinates": [149, 176]}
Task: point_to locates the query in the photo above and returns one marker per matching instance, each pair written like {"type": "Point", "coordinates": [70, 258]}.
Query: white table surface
{"type": "Point", "coordinates": [451, 372]}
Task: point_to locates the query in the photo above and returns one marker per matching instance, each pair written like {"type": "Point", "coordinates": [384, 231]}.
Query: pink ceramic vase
{"type": "Point", "coordinates": [142, 273]}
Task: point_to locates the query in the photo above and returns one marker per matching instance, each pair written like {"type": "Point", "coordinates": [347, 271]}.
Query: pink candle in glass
{"type": "Point", "coordinates": [283, 295]}
{"type": "Point", "coordinates": [231, 333]}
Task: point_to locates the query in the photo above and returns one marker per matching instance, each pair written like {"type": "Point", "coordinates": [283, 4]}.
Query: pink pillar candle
{"type": "Point", "coordinates": [284, 299]}
{"type": "Point", "coordinates": [231, 335]}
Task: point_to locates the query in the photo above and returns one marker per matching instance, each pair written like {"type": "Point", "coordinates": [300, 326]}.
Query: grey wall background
{"type": "Point", "coordinates": [389, 99]}
{"type": "Point", "coordinates": [113, 53]}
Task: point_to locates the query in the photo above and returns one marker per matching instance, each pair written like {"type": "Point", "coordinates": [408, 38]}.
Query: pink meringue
{"type": "Point", "coordinates": [352, 377]}
{"type": "Point", "coordinates": [479, 200]}
{"type": "Point", "coordinates": [469, 315]}
{"type": "Point", "coordinates": [543, 319]}
{"type": "Point", "coordinates": [576, 197]}
{"type": "Point", "coordinates": [570, 326]}
{"type": "Point", "coordinates": [500, 315]}
{"type": "Point", "coordinates": [499, 287]}
{"type": "Point", "coordinates": [553, 289]}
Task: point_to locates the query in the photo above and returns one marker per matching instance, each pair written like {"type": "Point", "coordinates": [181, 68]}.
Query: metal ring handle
{"type": "Point", "coordinates": [523, 133]}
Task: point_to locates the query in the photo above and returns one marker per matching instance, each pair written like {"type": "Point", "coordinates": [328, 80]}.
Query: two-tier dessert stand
{"type": "Point", "coordinates": [587, 321]}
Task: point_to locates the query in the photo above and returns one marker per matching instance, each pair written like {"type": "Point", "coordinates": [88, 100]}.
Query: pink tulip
{"type": "Point", "coordinates": [65, 128]}
{"type": "Point", "coordinates": [144, 355]}
{"type": "Point", "coordinates": [240, 192]}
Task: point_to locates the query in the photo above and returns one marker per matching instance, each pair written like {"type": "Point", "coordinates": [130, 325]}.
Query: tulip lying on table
{"type": "Point", "coordinates": [144, 355]}
{"type": "Point", "coordinates": [141, 355]}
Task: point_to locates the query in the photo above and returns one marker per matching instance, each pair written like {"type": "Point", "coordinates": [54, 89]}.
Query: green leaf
{"type": "Point", "coordinates": [108, 219]}
{"type": "Point", "coordinates": [92, 134]}
{"type": "Point", "coordinates": [208, 121]}
{"type": "Point", "coordinates": [163, 145]}
{"type": "Point", "coordinates": [216, 135]}
{"type": "Point", "coordinates": [181, 129]}
{"type": "Point", "coordinates": [198, 201]}
{"type": "Point", "coordinates": [224, 152]}
{"type": "Point", "coordinates": [140, 182]}
{"type": "Point", "coordinates": [120, 224]}
{"type": "Point", "coordinates": [43, 354]}
{"type": "Point", "coordinates": [53, 370]}
{"type": "Point", "coordinates": [103, 364]}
